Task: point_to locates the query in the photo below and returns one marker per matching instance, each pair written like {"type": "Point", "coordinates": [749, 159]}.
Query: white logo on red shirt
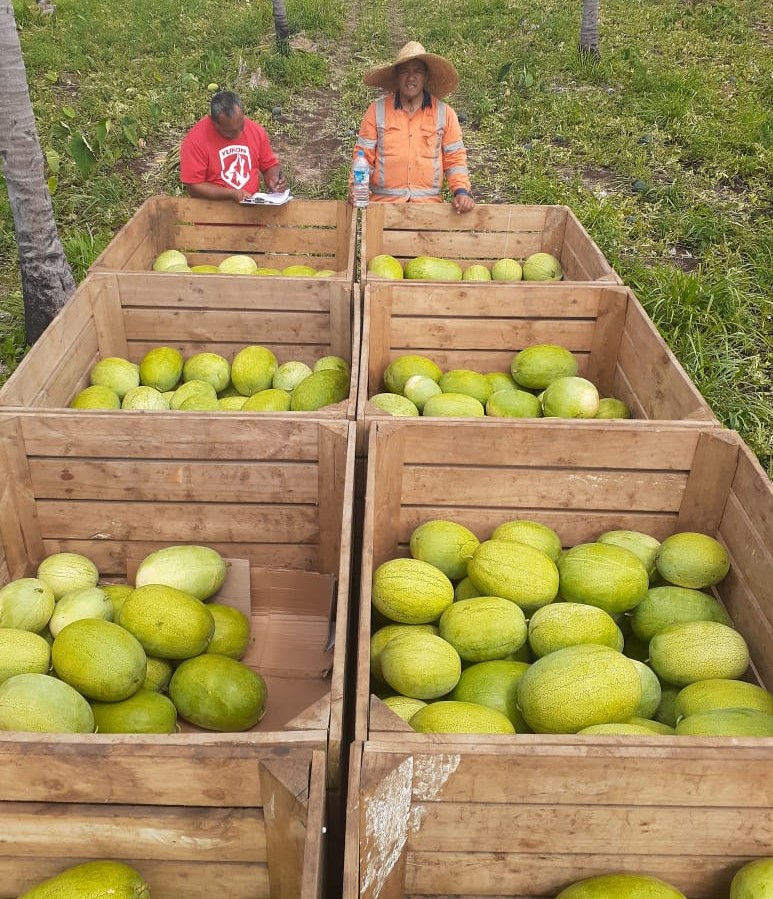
{"type": "Point", "coordinates": [235, 165]}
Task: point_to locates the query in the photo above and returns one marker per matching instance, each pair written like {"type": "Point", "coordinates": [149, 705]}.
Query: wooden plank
{"type": "Point", "coordinates": [605, 342]}
{"type": "Point", "coordinates": [285, 787]}
{"type": "Point", "coordinates": [20, 533]}
{"type": "Point", "coordinates": [726, 831]}
{"type": "Point", "coordinates": [526, 874]}
{"type": "Point", "coordinates": [189, 834]}
{"type": "Point", "coordinates": [555, 232]}
{"type": "Point", "coordinates": [314, 879]}
{"type": "Point", "coordinates": [708, 484]}
{"type": "Point", "coordinates": [136, 480]}
{"type": "Point", "coordinates": [166, 879]}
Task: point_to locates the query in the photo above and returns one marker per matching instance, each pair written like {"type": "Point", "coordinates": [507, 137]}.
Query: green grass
{"type": "Point", "coordinates": [663, 148]}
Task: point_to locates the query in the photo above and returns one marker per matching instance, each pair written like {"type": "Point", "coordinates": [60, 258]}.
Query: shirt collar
{"type": "Point", "coordinates": [426, 102]}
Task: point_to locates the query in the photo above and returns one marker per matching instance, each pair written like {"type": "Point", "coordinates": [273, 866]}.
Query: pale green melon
{"type": "Point", "coordinates": [698, 650]}
{"type": "Point", "coordinates": [533, 533]}
{"type": "Point", "coordinates": [506, 270]}
{"type": "Point", "coordinates": [231, 636]}
{"type": "Point", "coordinates": [65, 571]}
{"type": "Point", "coordinates": [493, 684]}
{"type": "Point", "coordinates": [542, 267]}
{"type": "Point", "coordinates": [446, 545]}
{"type": "Point", "coordinates": [218, 693]}
{"type": "Point", "coordinates": [96, 397]}
{"type": "Point", "coordinates": [403, 367]}
{"type": "Point", "coordinates": [500, 380]}
{"type": "Point", "coordinates": [453, 405]}
{"type": "Point", "coordinates": [570, 397]}
{"type": "Point", "coordinates": [453, 717]}
{"type": "Point", "coordinates": [194, 569]}
{"type": "Point", "coordinates": [322, 388]}
{"type": "Point", "coordinates": [690, 559]}
{"type": "Point", "coordinates": [666, 711]}
{"type": "Point", "coordinates": [621, 886]}
{"type": "Point", "coordinates": [641, 545]}
{"type": "Point", "coordinates": [619, 728]}
{"type": "Point", "coordinates": [143, 397]}
{"type": "Point", "coordinates": [419, 665]}
{"type": "Point", "coordinates": [298, 271]}
{"type": "Point", "coordinates": [483, 628]}
{"type": "Point", "coordinates": [573, 688]}
{"type": "Point", "coordinates": [253, 369]}
{"type": "Point", "coordinates": [515, 571]}
{"type": "Point", "coordinates": [289, 375]}
{"type": "Point", "coordinates": [231, 403]}
{"type": "Point", "coordinates": [270, 400]}
{"type": "Point", "coordinates": [333, 363]}
{"type": "Point", "coordinates": [26, 603]}
{"type": "Point", "coordinates": [168, 623]}
{"type": "Point", "coordinates": [726, 723]}
{"type": "Point", "coordinates": [664, 606]}
{"type": "Point", "coordinates": [238, 264]}
{"type": "Point", "coordinates": [403, 706]}
{"type": "Point", "coordinates": [561, 624]}
{"type": "Point", "coordinates": [210, 367]}
{"type": "Point", "coordinates": [385, 266]}
{"type": "Point", "coordinates": [395, 404]}
{"type": "Point", "coordinates": [92, 880]}
{"type": "Point", "coordinates": [513, 404]}
{"type": "Point", "coordinates": [656, 727]}
{"type": "Point", "coordinates": [383, 635]}
{"type": "Point", "coordinates": [465, 381]}
{"type": "Point", "coordinates": [651, 691]}
{"type": "Point", "coordinates": [476, 272]}
{"type": "Point", "coordinates": [145, 712]}
{"type": "Point", "coordinates": [536, 366]}
{"type": "Point", "coordinates": [167, 258]}
{"type": "Point", "coordinates": [117, 594]}
{"type": "Point", "coordinates": [158, 674]}
{"type": "Point", "coordinates": [100, 659]}
{"type": "Point", "coordinates": [43, 704]}
{"type": "Point", "coordinates": [22, 652]}
{"type": "Point", "coordinates": [194, 395]}
{"type": "Point", "coordinates": [602, 575]}
{"type": "Point", "coordinates": [162, 368]}
{"type": "Point", "coordinates": [609, 407]}
{"type": "Point", "coordinates": [465, 589]}
{"type": "Point", "coordinates": [754, 880]}
{"type": "Point", "coordinates": [419, 388]}
{"type": "Point", "coordinates": [432, 268]}
{"type": "Point", "coordinates": [87, 602]}
{"type": "Point", "coordinates": [722, 693]}
{"type": "Point", "coordinates": [409, 591]}
{"type": "Point", "coordinates": [118, 374]}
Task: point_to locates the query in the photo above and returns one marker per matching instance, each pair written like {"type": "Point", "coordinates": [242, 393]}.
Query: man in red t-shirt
{"type": "Point", "coordinates": [224, 154]}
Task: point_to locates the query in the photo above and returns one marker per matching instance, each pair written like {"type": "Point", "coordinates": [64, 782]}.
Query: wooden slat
{"type": "Point", "coordinates": [166, 879]}
{"type": "Point", "coordinates": [254, 328]}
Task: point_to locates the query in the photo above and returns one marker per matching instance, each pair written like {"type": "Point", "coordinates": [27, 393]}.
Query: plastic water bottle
{"type": "Point", "coordinates": [361, 180]}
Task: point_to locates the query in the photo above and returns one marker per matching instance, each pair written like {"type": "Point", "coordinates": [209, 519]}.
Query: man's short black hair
{"type": "Point", "coordinates": [224, 103]}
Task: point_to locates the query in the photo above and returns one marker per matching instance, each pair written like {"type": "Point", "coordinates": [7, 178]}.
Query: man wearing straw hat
{"type": "Point", "coordinates": [410, 137]}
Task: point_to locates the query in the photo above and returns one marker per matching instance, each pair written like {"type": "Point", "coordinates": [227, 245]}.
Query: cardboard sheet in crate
{"type": "Point", "coordinates": [317, 233]}
{"type": "Point", "coordinates": [239, 821]}
{"type": "Point", "coordinates": [126, 315]}
{"type": "Point", "coordinates": [581, 482]}
{"type": "Point", "coordinates": [272, 495]}
{"type": "Point", "coordinates": [527, 820]}
{"type": "Point", "coordinates": [488, 233]}
{"type": "Point", "coordinates": [616, 344]}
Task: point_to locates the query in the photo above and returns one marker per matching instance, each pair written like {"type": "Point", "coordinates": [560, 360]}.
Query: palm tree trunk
{"type": "Point", "coordinates": [589, 29]}
{"type": "Point", "coordinates": [281, 26]}
{"type": "Point", "coordinates": [46, 278]}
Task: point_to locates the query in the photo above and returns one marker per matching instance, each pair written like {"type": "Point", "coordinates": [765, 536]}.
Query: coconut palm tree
{"type": "Point", "coordinates": [589, 29]}
{"type": "Point", "coordinates": [46, 278]}
{"type": "Point", "coordinates": [281, 26]}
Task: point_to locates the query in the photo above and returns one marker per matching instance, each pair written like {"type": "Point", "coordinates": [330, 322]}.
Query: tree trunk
{"type": "Point", "coordinates": [46, 278]}
{"type": "Point", "coordinates": [281, 26]}
{"type": "Point", "coordinates": [589, 29]}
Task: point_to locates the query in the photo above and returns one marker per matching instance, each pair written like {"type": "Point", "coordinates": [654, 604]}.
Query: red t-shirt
{"type": "Point", "coordinates": [207, 156]}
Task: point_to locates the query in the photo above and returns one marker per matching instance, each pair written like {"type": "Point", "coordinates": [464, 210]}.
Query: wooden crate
{"type": "Point", "coordinates": [488, 233]}
{"type": "Point", "coordinates": [581, 482]}
{"type": "Point", "coordinates": [125, 314]}
{"type": "Point", "coordinates": [275, 493]}
{"type": "Point", "coordinates": [458, 326]}
{"type": "Point", "coordinates": [317, 233]}
{"type": "Point", "coordinates": [528, 819]}
{"type": "Point", "coordinates": [242, 822]}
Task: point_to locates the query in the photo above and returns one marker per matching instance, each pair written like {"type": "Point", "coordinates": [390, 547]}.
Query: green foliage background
{"type": "Point", "coordinates": [663, 149]}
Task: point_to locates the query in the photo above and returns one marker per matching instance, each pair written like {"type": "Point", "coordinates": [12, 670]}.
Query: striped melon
{"type": "Point", "coordinates": [722, 693]}
{"type": "Point", "coordinates": [495, 685]}
{"type": "Point", "coordinates": [451, 717]}
{"type": "Point", "coordinates": [404, 706]}
{"type": "Point", "coordinates": [419, 665]}
{"type": "Point", "coordinates": [603, 575]}
{"type": "Point", "coordinates": [754, 880]}
{"type": "Point", "coordinates": [483, 628]}
{"type": "Point", "coordinates": [562, 624]}
{"type": "Point", "coordinates": [410, 591]}
{"type": "Point", "coordinates": [169, 623]}
{"type": "Point", "coordinates": [514, 571]}
{"type": "Point", "coordinates": [690, 559]}
{"type": "Point", "coordinates": [621, 886]}
{"type": "Point", "coordinates": [533, 533]}
{"type": "Point", "coordinates": [726, 723]}
{"type": "Point", "coordinates": [446, 545]}
{"type": "Point", "coordinates": [621, 728]}
{"type": "Point", "coordinates": [573, 688]}
{"type": "Point", "coordinates": [383, 635]}
{"type": "Point", "coordinates": [698, 650]}
{"type": "Point", "coordinates": [663, 606]}
{"type": "Point", "coordinates": [92, 880]}
{"type": "Point", "coordinates": [22, 652]}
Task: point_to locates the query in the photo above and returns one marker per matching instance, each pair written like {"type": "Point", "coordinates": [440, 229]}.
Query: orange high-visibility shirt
{"type": "Point", "coordinates": [409, 156]}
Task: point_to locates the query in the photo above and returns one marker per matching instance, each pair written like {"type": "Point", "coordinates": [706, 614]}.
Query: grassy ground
{"type": "Point", "coordinates": [663, 149]}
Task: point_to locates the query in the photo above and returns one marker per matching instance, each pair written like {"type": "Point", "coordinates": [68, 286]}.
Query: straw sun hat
{"type": "Point", "coordinates": [441, 79]}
